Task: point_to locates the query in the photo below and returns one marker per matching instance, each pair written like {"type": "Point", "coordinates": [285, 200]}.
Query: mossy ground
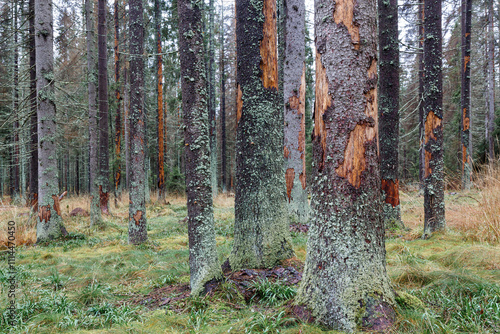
{"type": "Point", "coordinates": [88, 283]}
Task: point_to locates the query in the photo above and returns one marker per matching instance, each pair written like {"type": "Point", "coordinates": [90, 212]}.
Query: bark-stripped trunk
{"type": "Point", "coordinates": [95, 211]}
{"type": "Point", "coordinates": [211, 99]}
{"type": "Point", "coordinates": [491, 84]}
{"type": "Point", "coordinates": [261, 232]}
{"type": "Point", "coordinates": [137, 232]}
{"type": "Point", "coordinates": [389, 110]}
{"type": "Point", "coordinates": [34, 117]}
{"type": "Point", "coordinates": [118, 123]}
{"type": "Point", "coordinates": [159, 92]}
{"type": "Point", "coordinates": [345, 283]}
{"type": "Point", "coordinates": [103, 108]}
{"type": "Point", "coordinates": [223, 110]}
{"type": "Point", "coordinates": [420, 60]}
{"type": "Point", "coordinates": [49, 222]}
{"type": "Point", "coordinates": [15, 107]}
{"type": "Point", "coordinates": [434, 218]}
{"type": "Point", "coordinates": [294, 95]}
{"type": "Point", "coordinates": [203, 262]}
{"type": "Point", "coordinates": [466, 134]}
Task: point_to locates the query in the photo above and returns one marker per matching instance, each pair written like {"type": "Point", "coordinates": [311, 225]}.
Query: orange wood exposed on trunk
{"type": "Point", "coordinates": [137, 217]}
{"type": "Point", "coordinates": [391, 190]}
{"type": "Point", "coordinates": [323, 102]}
{"type": "Point", "coordinates": [344, 14]}
{"type": "Point", "coordinates": [432, 122]}
{"type": "Point", "coordinates": [239, 104]}
{"type": "Point", "coordinates": [289, 177]}
{"type": "Point", "coordinates": [269, 47]}
{"type": "Point", "coordinates": [103, 201]}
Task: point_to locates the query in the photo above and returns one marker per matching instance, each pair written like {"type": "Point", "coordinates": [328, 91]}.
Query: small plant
{"type": "Point", "coordinates": [272, 293]}
{"type": "Point", "coordinates": [267, 323]}
{"type": "Point", "coordinates": [55, 280]}
{"type": "Point", "coordinates": [92, 293]}
{"type": "Point", "coordinates": [165, 280]}
{"type": "Point", "coordinates": [197, 319]}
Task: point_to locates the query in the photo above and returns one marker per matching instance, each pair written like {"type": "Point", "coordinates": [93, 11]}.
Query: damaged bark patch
{"type": "Point", "coordinates": [268, 47]}
{"type": "Point", "coordinates": [344, 14]}
{"type": "Point", "coordinates": [354, 156]}
{"type": "Point", "coordinates": [239, 104]}
{"type": "Point", "coordinates": [138, 217]}
{"type": "Point", "coordinates": [323, 102]}
{"type": "Point", "coordinates": [302, 178]}
{"type": "Point", "coordinates": [466, 120]}
{"type": "Point", "coordinates": [432, 122]}
{"type": "Point", "coordinates": [103, 201]}
{"type": "Point", "coordinates": [391, 190]}
{"type": "Point", "coordinates": [289, 177]}
{"type": "Point", "coordinates": [286, 152]}
{"type": "Point", "coordinates": [57, 206]}
{"type": "Point", "coordinates": [465, 157]}
{"type": "Point", "coordinates": [301, 109]}
{"type": "Point", "coordinates": [44, 213]}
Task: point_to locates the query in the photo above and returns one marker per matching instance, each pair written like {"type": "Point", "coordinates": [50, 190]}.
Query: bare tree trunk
{"type": "Point", "coordinates": [421, 89]}
{"type": "Point", "coordinates": [126, 108]}
{"type": "Point", "coordinates": [15, 108]}
{"type": "Point", "coordinates": [433, 120]}
{"type": "Point", "coordinates": [211, 99]}
{"type": "Point", "coordinates": [50, 225]}
{"type": "Point", "coordinates": [33, 109]}
{"type": "Point", "coordinates": [223, 109]}
{"type": "Point", "coordinates": [491, 83]}
{"type": "Point", "coordinates": [118, 124]}
{"type": "Point", "coordinates": [137, 232]}
{"type": "Point", "coordinates": [466, 134]}
{"type": "Point", "coordinates": [161, 113]}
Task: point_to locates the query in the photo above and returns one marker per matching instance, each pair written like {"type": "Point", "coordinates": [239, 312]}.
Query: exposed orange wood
{"type": "Point", "coordinates": [239, 104]}
{"type": "Point", "coordinates": [431, 122]}
{"type": "Point", "coordinates": [344, 14]}
{"type": "Point", "coordinates": [269, 46]}
{"type": "Point", "coordinates": [137, 217]}
{"type": "Point", "coordinates": [286, 152]}
{"type": "Point", "coordinates": [323, 102]}
{"type": "Point", "coordinates": [44, 213]}
{"type": "Point", "coordinates": [466, 120]}
{"type": "Point", "coordinates": [391, 190]}
{"type": "Point", "coordinates": [466, 61]}
{"type": "Point", "coordinates": [289, 177]}
{"type": "Point", "coordinates": [103, 201]}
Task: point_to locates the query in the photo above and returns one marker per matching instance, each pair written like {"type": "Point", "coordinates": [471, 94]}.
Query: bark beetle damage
{"type": "Point", "coordinates": [301, 109]}
{"type": "Point", "coordinates": [57, 206]}
{"type": "Point", "coordinates": [391, 190]}
{"type": "Point", "coordinates": [103, 201]}
{"type": "Point", "coordinates": [137, 217]}
{"type": "Point", "coordinates": [432, 122]}
{"type": "Point", "coordinates": [465, 157]}
{"type": "Point", "coordinates": [289, 177]}
{"type": "Point", "coordinates": [354, 155]}
{"type": "Point", "coordinates": [44, 213]}
{"type": "Point", "coordinates": [466, 120]}
{"type": "Point", "coordinates": [286, 152]}
{"type": "Point", "coordinates": [268, 46]}
{"type": "Point", "coordinates": [466, 61]}
{"type": "Point", "coordinates": [323, 101]}
{"type": "Point", "coordinates": [239, 104]}
{"type": "Point", "coordinates": [344, 13]}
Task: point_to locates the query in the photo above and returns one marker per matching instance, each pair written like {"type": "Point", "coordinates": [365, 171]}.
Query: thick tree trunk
{"type": "Point", "coordinates": [34, 117]}
{"type": "Point", "coordinates": [118, 123]}
{"type": "Point", "coordinates": [137, 232]}
{"type": "Point", "coordinates": [421, 88]}
{"type": "Point", "coordinates": [433, 120]}
{"type": "Point", "coordinates": [491, 84]}
{"type": "Point", "coordinates": [15, 109]}
{"type": "Point", "coordinates": [345, 283]}
{"type": "Point", "coordinates": [126, 122]}
{"type": "Point", "coordinates": [223, 111]}
{"type": "Point", "coordinates": [159, 92]}
{"type": "Point", "coordinates": [261, 233]}
{"type": "Point", "coordinates": [95, 211]}
{"type": "Point", "coordinates": [294, 95]}
{"type": "Point", "coordinates": [203, 261]}
{"type": "Point", "coordinates": [211, 99]}
{"type": "Point", "coordinates": [103, 108]}
{"type": "Point", "coordinates": [466, 134]}
{"type": "Point", "coordinates": [49, 224]}
{"type": "Point", "coordinates": [389, 110]}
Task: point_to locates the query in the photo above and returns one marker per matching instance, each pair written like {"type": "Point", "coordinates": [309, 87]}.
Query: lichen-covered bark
{"type": "Point", "coordinates": [294, 94]}
{"type": "Point", "coordinates": [434, 218]}
{"type": "Point", "coordinates": [95, 211]}
{"type": "Point", "coordinates": [102, 77]}
{"type": "Point", "coordinates": [211, 99]}
{"type": "Point", "coordinates": [420, 60]}
{"type": "Point", "coordinates": [159, 95]}
{"type": "Point", "coordinates": [345, 284]}
{"type": "Point", "coordinates": [137, 232]}
{"type": "Point", "coordinates": [466, 134]}
{"type": "Point", "coordinates": [49, 223]}
{"type": "Point", "coordinates": [34, 116]}
{"type": "Point", "coordinates": [15, 109]}
{"type": "Point", "coordinates": [118, 123]}
{"type": "Point", "coordinates": [491, 84]}
{"type": "Point", "coordinates": [223, 112]}
{"type": "Point", "coordinates": [388, 112]}
{"type": "Point", "coordinates": [261, 236]}
{"type": "Point", "coordinates": [203, 261]}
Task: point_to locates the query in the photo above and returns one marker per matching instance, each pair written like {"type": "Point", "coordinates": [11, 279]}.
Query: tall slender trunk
{"type": "Point", "coordinates": [345, 283]}
{"type": "Point", "coordinates": [126, 130]}
{"type": "Point", "coordinates": [261, 231]}
{"type": "Point", "coordinates": [137, 232]}
{"type": "Point", "coordinates": [466, 134]}
{"type": "Point", "coordinates": [15, 108]}
{"type": "Point", "coordinates": [77, 172]}
{"type": "Point", "coordinates": [491, 83]}
{"type": "Point", "coordinates": [223, 109]}
{"type": "Point", "coordinates": [388, 101]}
{"type": "Point", "coordinates": [118, 124]}
{"type": "Point", "coordinates": [211, 99]}
{"type": "Point", "coordinates": [421, 88]}
{"type": "Point", "coordinates": [294, 101]}
{"type": "Point", "coordinates": [161, 113]}
{"type": "Point", "coordinates": [34, 116]}
{"type": "Point", "coordinates": [49, 224]}
{"type": "Point", "coordinates": [434, 206]}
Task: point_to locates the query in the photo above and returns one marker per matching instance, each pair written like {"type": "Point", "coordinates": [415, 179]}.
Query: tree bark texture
{"type": "Point", "coordinates": [434, 217]}
{"type": "Point", "coordinates": [261, 236]}
{"type": "Point", "coordinates": [118, 123]}
{"type": "Point", "coordinates": [223, 109]}
{"type": "Point", "coordinates": [15, 109]}
{"type": "Point", "coordinates": [95, 211]}
{"type": "Point", "coordinates": [49, 224]}
{"type": "Point", "coordinates": [103, 108]}
{"type": "Point", "coordinates": [34, 116]}
{"type": "Point", "coordinates": [466, 134]}
{"type": "Point", "coordinates": [211, 97]}
{"type": "Point", "coordinates": [421, 88]}
{"type": "Point", "coordinates": [137, 232]}
{"type": "Point", "coordinates": [388, 101]}
{"type": "Point", "coordinates": [159, 95]}
{"type": "Point", "coordinates": [294, 95]}
{"type": "Point", "coordinates": [203, 261]}
{"type": "Point", "coordinates": [491, 84]}
{"type": "Point", "coordinates": [345, 284]}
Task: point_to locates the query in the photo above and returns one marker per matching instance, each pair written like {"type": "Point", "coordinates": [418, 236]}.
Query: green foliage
{"type": "Point", "coordinates": [93, 293]}
{"type": "Point", "coordinates": [268, 323]}
{"type": "Point", "coordinates": [175, 182]}
{"type": "Point", "coordinates": [273, 293]}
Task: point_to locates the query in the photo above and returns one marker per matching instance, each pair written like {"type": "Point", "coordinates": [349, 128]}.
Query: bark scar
{"type": "Point", "coordinates": [137, 217]}
{"type": "Point", "coordinates": [391, 190]}
{"type": "Point", "coordinates": [323, 102]}
{"type": "Point", "coordinates": [344, 13]}
{"type": "Point", "coordinates": [432, 122]}
{"type": "Point", "coordinates": [289, 177]}
{"type": "Point", "coordinates": [268, 46]}
{"type": "Point", "coordinates": [239, 104]}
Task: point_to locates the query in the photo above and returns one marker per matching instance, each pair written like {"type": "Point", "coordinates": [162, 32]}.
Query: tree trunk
{"type": "Point", "coordinates": [126, 130]}
{"type": "Point", "coordinates": [211, 99]}
{"type": "Point", "coordinates": [15, 109]}
{"type": "Point", "coordinates": [261, 231]}
{"type": "Point", "coordinates": [118, 124]}
{"type": "Point", "coordinates": [34, 117]}
{"type": "Point", "coordinates": [95, 211]}
{"type": "Point", "coordinates": [466, 134]}
{"type": "Point", "coordinates": [389, 110]}
{"type": "Point", "coordinates": [103, 108]}
{"type": "Point", "coordinates": [223, 109]}
{"type": "Point", "coordinates": [434, 218]}
{"type": "Point", "coordinates": [159, 92]}
{"type": "Point", "coordinates": [420, 60]}
{"type": "Point", "coordinates": [491, 84]}
{"type": "Point", "coordinates": [203, 261]}
{"type": "Point", "coordinates": [294, 95]}
{"type": "Point", "coordinates": [137, 232]}
{"type": "Point", "coordinates": [49, 223]}
{"type": "Point", "coordinates": [345, 283]}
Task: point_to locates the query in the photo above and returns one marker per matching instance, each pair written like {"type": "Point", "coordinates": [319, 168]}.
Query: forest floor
{"type": "Point", "coordinates": [94, 282]}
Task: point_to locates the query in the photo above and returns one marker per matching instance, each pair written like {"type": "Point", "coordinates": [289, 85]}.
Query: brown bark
{"type": "Point", "coordinates": [118, 125]}
{"type": "Point", "coordinates": [159, 92]}
{"type": "Point", "coordinates": [33, 106]}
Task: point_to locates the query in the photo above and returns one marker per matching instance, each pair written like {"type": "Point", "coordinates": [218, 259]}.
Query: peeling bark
{"type": "Point", "coordinates": [261, 237]}
{"type": "Point", "coordinates": [345, 284]}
